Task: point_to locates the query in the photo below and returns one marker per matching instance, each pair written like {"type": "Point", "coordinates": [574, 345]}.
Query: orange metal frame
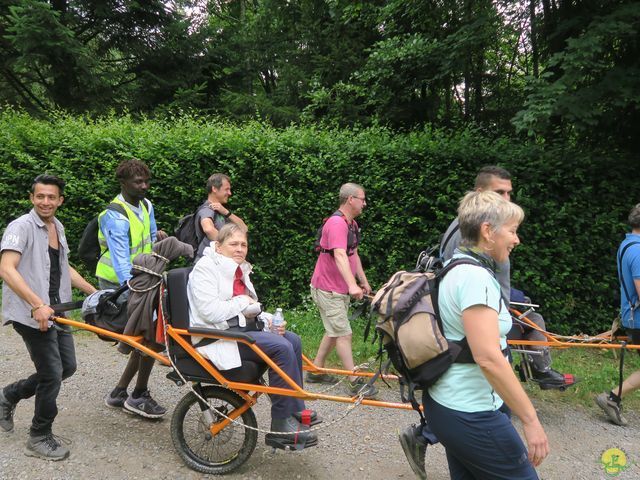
{"type": "Point", "coordinates": [182, 337]}
{"type": "Point", "coordinates": [603, 340]}
{"type": "Point", "coordinates": [250, 391]}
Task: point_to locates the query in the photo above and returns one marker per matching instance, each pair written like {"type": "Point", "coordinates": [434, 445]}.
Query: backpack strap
{"type": "Point", "coordinates": [196, 224]}
{"type": "Point", "coordinates": [443, 245]}
{"type": "Point", "coordinates": [353, 235]}
{"type": "Point", "coordinates": [460, 348]}
{"type": "Point", "coordinates": [116, 207]}
{"type": "Point", "coordinates": [632, 306]}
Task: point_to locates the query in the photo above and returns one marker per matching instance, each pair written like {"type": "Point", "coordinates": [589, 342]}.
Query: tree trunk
{"type": "Point", "coordinates": [534, 39]}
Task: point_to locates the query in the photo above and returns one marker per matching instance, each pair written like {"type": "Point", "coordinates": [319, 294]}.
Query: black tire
{"type": "Point", "coordinates": [200, 451]}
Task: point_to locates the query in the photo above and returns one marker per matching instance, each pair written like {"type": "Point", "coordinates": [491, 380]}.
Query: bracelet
{"type": "Point", "coordinates": [35, 309]}
{"type": "Point", "coordinates": [228, 214]}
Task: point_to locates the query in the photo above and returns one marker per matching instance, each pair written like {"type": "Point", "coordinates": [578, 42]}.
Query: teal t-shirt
{"type": "Point", "coordinates": [463, 387]}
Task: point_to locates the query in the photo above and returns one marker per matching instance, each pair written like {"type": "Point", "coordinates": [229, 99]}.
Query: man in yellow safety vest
{"type": "Point", "coordinates": [126, 229]}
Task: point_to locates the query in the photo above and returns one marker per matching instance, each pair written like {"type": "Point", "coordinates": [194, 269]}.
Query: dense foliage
{"type": "Point", "coordinates": [285, 181]}
{"type": "Point", "coordinates": [563, 66]}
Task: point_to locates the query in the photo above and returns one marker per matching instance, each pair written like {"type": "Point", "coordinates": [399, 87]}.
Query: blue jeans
{"type": "Point", "coordinates": [479, 445]}
{"type": "Point", "coordinates": [54, 356]}
{"type": "Point", "coordinates": [286, 352]}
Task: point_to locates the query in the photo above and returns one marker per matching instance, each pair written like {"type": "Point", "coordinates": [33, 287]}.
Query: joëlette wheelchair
{"type": "Point", "coordinates": [213, 427]}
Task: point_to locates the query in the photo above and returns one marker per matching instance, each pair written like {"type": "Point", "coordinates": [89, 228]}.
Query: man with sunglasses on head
{"type": "Point", "coordinates": [36, 273]}
{"type": "Point", "coordinates": [335, 279]}
{"type": "Point", "coordinates": [415, 439]}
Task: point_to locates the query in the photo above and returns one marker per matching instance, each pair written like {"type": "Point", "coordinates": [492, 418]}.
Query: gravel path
{"type": "Point", "coordinates": [110, 444]}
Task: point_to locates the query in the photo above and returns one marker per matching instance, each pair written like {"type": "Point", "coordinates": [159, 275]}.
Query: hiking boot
{"type": "Point", "coordinates": [47, 447]}
{"type": "Point", "coordinates": [7, 409]}
{"type": "Point", "coordinates": [320, 378]}
{"type": "Point", "coordinates": [359, 384]}
{"type": "Point", "coordinates": [302, 438]}
{"type": "Point", "coordinates": [415, 448]}
{"type": "Point", "coordinates": [145, 406]}
{"type": "Point", "coordinates": [612, 409]}
{"type": "Point", "coordinates": [116, 401]}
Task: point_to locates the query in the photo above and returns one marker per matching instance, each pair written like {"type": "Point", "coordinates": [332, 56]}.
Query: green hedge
{"type": "Point", "coordinates": [285, 181]}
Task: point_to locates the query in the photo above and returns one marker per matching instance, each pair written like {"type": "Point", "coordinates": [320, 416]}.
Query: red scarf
{"type": "Point", "coordinates": [239, 288]}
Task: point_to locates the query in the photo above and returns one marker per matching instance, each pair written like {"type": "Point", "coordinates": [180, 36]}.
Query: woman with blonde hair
{"type": "Point", "coordinates": [469, 406]}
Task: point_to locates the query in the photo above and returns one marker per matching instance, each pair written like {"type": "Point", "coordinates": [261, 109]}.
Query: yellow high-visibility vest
{"type": "Point", "coordinates": [139, 240]}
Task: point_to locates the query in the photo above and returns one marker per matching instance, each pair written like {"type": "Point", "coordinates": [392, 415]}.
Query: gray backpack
{"type": "Point", "coordinates": [410, 329]}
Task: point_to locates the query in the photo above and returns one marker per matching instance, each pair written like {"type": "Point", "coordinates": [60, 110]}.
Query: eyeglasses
{"type": "Point", "coordinates": [361, 199]}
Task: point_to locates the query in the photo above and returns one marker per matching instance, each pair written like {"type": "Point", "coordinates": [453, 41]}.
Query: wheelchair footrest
{"type": "Point", "coordinates": [288, 442]}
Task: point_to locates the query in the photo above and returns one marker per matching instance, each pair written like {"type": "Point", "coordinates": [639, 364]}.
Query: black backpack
{"type": "Point", "coordinates": [89, 250]}
{"type": "Point", "coordinates": [188, 231]}
{"type": "Point", "coordinates": [110, 313]}
{"type": "Point", "coordinates": [353, 237]}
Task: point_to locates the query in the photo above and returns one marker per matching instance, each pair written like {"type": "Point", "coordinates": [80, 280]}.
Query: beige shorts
{"type": "Point", "coordinates": [334, 308]}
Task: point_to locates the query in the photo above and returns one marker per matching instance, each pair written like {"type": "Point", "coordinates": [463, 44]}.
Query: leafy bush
{"type": "Point", "coordinates": [286, 181]}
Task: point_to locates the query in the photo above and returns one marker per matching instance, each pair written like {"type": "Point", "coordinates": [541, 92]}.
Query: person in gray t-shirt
{"type": "Point", "coordinates": [37, 276]}
{"type": "Point", "coordinates": [498, 180]}
{"type": "Point", "coordinates": [213, 214]}
{"type": "Point", "coordinates": [414, 439]}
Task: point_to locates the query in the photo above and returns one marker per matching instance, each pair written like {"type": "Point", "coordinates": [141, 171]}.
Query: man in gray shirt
{"type": "Point", "coordinates": [498, 180]}
{"type": "Point", "coordinates": [37, 275]}
{"type": "Point", "coordinates": [213, 214]}
{"type": "Point", "coordinates": [414, 439]}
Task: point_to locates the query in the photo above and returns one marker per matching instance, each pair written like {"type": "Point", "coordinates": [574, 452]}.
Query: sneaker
{"type": "Point", "coordinates": [117, 401]}
{"type": "Point", "coordinates": [320, 378]}
{"type": "Point", "coordinates": [359, 384]}
{"type": "Point", "coordinates": [47, 447]}
{"type": "Point", "coordinates": [611, 409]}
{"type": "Point", "coordinates": [144, 406]}
{"type": "Point", "coordinates": [415, 449]}
{"type": "Point", "coordinates": [7, 409]}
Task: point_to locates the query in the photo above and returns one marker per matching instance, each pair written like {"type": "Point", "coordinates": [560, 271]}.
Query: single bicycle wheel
{"type": "Point", "coordinates": [192, 438]}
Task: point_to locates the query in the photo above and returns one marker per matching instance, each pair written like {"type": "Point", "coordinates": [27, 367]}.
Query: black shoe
{"type": "Point", "coordinates": [415, 448]}
{"type": "Point", "coordinates": [320, 378]}
{"type": "Point", "coordinates": [290, 435]}
{"type": "Point", "coordinates": [553, 379]}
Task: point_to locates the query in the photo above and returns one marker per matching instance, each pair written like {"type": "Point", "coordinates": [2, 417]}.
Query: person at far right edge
{"type": "Point", "coordinates": [628, 260]}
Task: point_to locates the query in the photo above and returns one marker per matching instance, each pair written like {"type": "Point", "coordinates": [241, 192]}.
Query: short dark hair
{"type": "Point", "coordinates": [130, 168]}
{"type": "Point", "coordinates": [483, 179]}
{"type": "Point", "coordinates": [216, 180]}
{"type": "Point", "coordinates": [47, 179]}
{"type": "Point", "coordinates": [634, 217]}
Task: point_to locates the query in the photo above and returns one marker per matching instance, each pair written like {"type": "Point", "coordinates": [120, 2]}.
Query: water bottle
{"type": "Point", "coordinates": [277, 320]}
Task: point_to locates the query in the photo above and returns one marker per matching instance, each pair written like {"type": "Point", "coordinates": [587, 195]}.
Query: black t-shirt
{"type": "Point", "coordinates": [54, 275]}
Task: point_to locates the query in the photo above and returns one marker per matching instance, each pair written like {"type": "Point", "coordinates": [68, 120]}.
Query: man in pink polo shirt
{"type": "Point", "coordinates": [335, 279]}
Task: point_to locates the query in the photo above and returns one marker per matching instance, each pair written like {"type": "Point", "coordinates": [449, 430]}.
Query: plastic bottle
{"type": "Point", "coordinates": [277, 320]}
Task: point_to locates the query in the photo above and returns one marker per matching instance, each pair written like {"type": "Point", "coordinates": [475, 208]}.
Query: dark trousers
{"type": "Point", "coordinates": [286, 352]}
{"type": "Point", "coordinates": [54, 357]}
{"type": "Point", "coordinates": [479, 445]}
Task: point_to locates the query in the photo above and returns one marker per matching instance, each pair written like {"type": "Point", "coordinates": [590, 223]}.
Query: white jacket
{"type": "Point", "coordinates": [211, 303]}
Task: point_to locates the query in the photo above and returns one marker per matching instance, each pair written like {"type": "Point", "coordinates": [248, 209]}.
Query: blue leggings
{"type": "Point", "coordinates": [479, 445]}
{"type": "Point", "coordinates": [286, 352]}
